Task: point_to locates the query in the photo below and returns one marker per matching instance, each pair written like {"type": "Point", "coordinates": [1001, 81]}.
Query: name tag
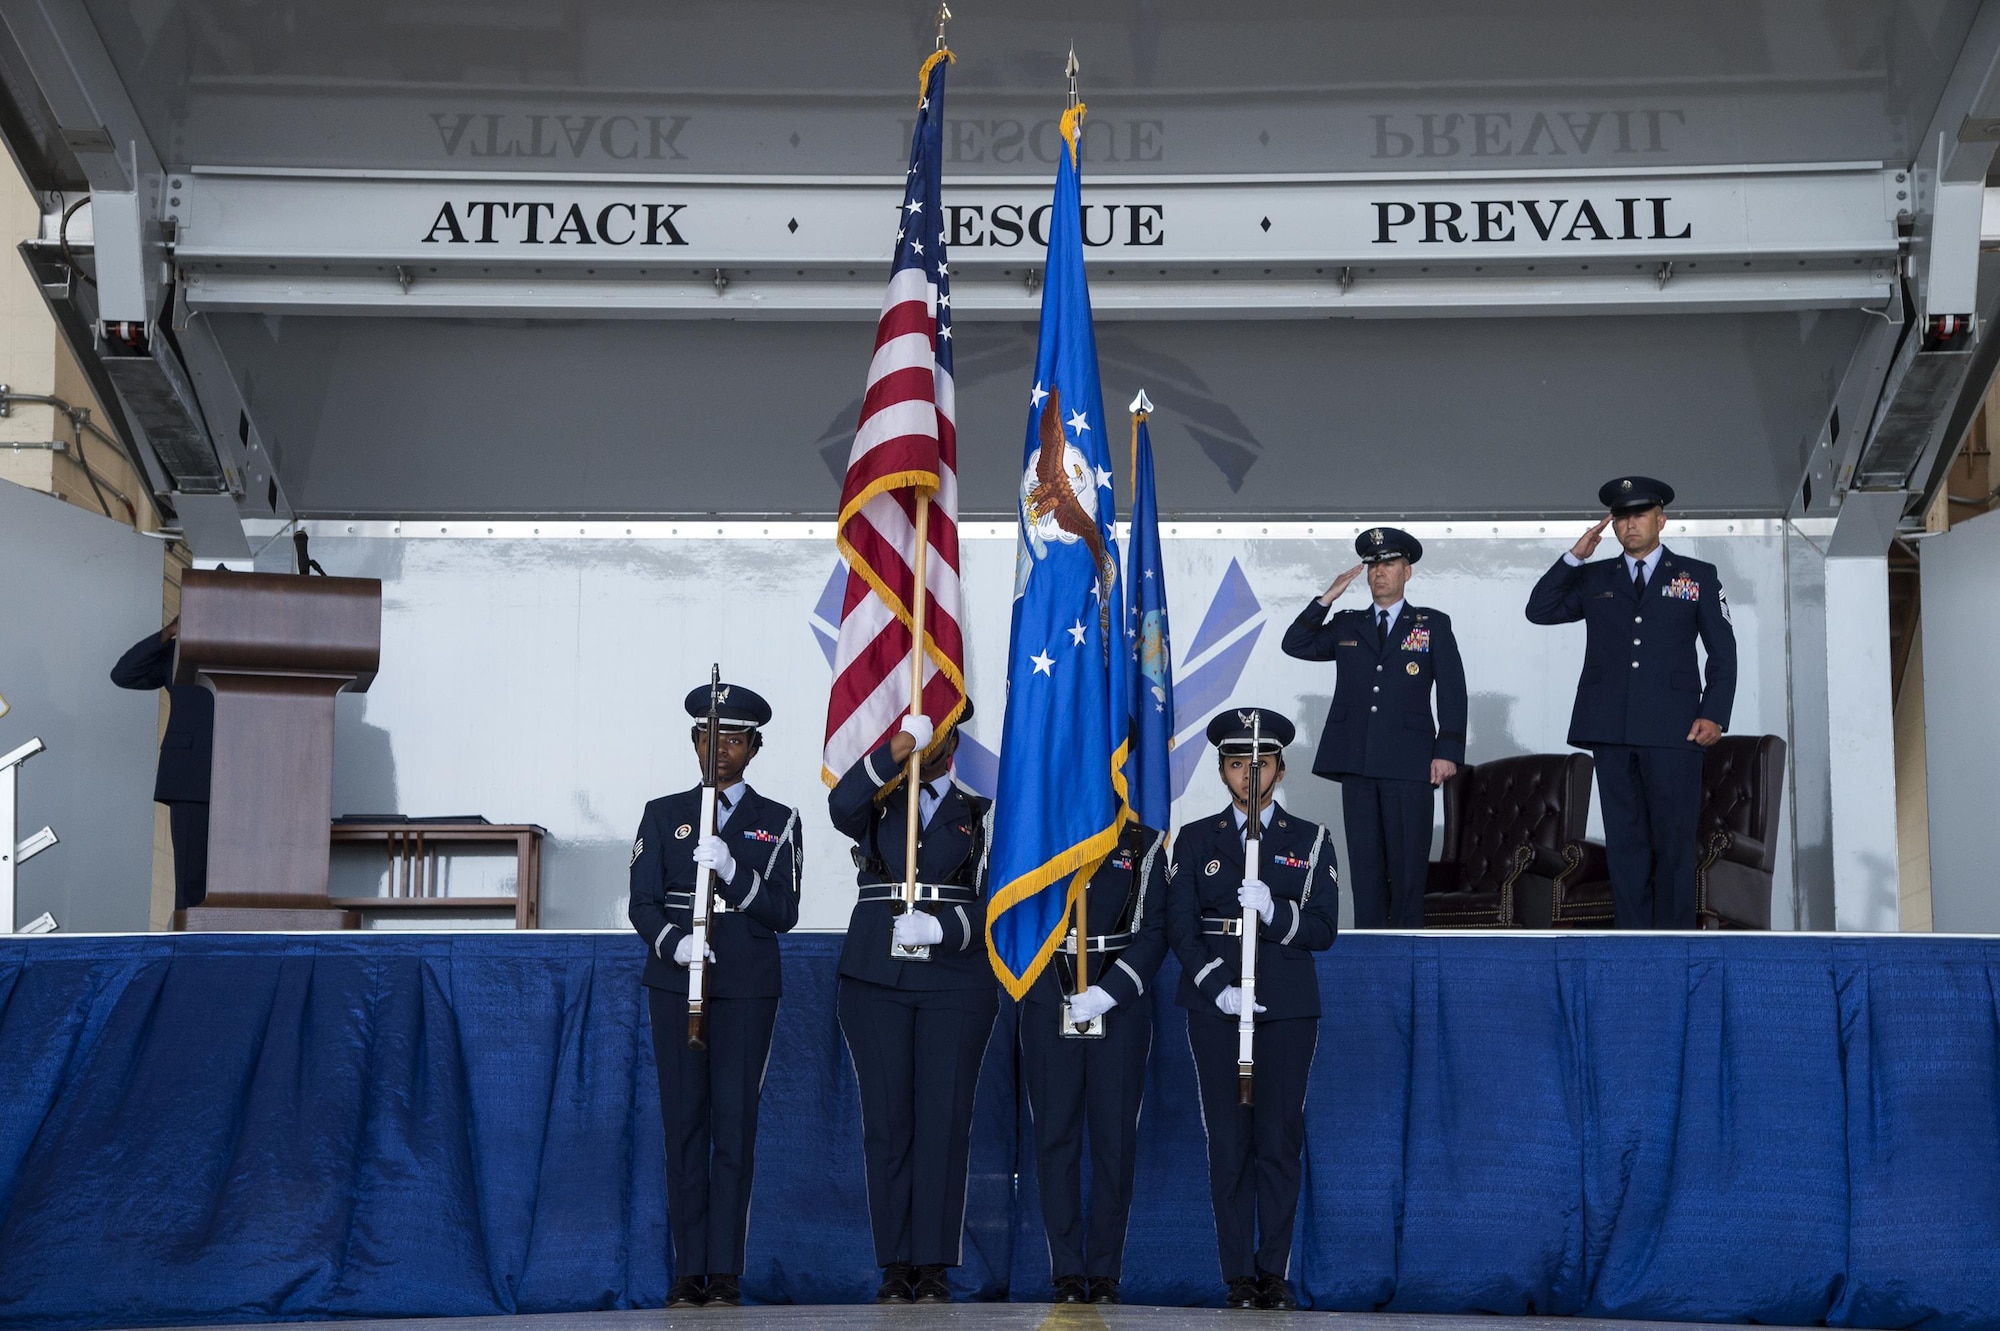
{"type": "Point", "coordinates": [1350, 642]}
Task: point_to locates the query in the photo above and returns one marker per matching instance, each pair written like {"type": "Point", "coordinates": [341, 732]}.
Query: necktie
{"type": "Point", "coordinates": [1638, 577]}
{"type": "Point", "coordinates": [1382, 624]}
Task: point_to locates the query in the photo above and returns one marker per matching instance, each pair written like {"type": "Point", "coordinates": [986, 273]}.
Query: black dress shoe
{"type": "Point", "coordinates": [931, 1285]}
{"type": "Point", "coordinates": [723, 1291]}
{"type": "Point", "coordinates": [688, 1292]}
{"type": "Point", "coordinates": [1104, 1289]}
{"type": "Point", "coordinates": [897, 1279]}
{"type": "Point", "coordinates": [1071, 1289]}
{"type": "Point", "coordinates": [1273, 1295]}
{"type": "Point", "coordinates": [1242, 1294]}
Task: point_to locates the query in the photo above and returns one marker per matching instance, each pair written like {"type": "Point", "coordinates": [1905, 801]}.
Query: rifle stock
{"type": "Point", "coordinates": [705, 878]}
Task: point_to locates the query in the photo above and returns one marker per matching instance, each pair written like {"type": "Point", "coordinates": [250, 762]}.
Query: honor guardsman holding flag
{"type": "Point", "coordinates": [916, 1000]}
{"type": "Point", "coordinates": [1077, 879]}
{"type": "Point", "coordinates": [743, 873]}
{"type": "Point", "coordinates": [1293, 898]}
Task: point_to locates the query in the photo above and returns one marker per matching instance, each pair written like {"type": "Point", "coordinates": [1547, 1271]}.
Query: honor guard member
{"type": "Point", "coordinates": [1254, 1151]}
{"type": "Point", "coordinates": [916, 1030]}
{"type": "Point", "coordinates": [186, 750]}
{"type": "Point", "coordinates": [1642, 708]}
{"type": "Point", "coordinates": [1096, 1081]}
{"type": "Point", "coordinates": [708, 1098]}
{"type": "Point", "coordinates": [1381, 743]}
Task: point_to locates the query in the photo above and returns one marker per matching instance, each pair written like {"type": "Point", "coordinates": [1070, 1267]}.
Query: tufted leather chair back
{"type": "Point", "coordinates": [1491, 809]}
{"type": "Point", "coordinates": [1742, 780]}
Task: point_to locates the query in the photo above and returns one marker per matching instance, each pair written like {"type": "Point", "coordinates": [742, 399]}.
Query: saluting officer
{"type": "Point", "coordinates": [1381, 743]}
{"type": "Point", "coordinates": [1254, 1152]}
{"type": "Point", "coordinates": [1641, 706]}
{"type": "Point", "coordinates": [1098, 1080]}
{"type": "Point", "coordinates": [708, 1098]}
{"type": "Point", "coordinates": [916, 1030]}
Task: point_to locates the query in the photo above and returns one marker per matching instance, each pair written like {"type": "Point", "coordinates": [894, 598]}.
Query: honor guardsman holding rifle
{"type": "Point", "coordinates": [721, 860]}
{"type": "Point", "coordinates": [1086, 1032]}
{"type": "Point", "coordinates": [1641, 708]}
{"type": "Point", "coordinates": [917, 998]}
{"type": "Point", "coordinates": [1254, 1149]}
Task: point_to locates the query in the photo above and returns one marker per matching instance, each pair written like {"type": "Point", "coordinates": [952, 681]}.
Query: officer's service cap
{"type": "Point", "coordinates": [1380, 543]}
{"type": "Point", "coordinates": [738, 709]}
{"type": "Point", "coordinates": [1230, 730]}
{"type": "Point", "coordinates": [1632, 494]}
{"type": "Point", "coordinates": [966, 715]}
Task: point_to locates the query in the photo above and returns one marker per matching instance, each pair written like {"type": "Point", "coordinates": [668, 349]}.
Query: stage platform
{"type": "Point", "coordinates": [994, 1317]}
{"type": "Point", "coordinates": [245, 1129]}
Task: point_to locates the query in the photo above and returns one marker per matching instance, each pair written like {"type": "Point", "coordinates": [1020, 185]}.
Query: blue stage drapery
{"type": "Point", "coordinates": [262, 1127]}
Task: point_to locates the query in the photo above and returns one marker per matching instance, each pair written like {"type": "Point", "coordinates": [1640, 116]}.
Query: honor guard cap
{"type": "Point", "coordinates": [1631, 494]}
{"type": "Point", "coordinates": [1230, 730]}
{"type": "Point", "coordinates": [1379, 543]}
{"type": "Point", "coordinates": [740, 709]}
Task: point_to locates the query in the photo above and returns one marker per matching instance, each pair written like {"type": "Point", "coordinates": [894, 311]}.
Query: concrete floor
{"type": "Point", "coordinates": [987, 1317]}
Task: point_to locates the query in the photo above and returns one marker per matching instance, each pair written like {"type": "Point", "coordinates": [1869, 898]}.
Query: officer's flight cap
{"type": "Point", "coordinates": [1229, 731]}
{"type": "Point", "coordinates": [1634, 494]}
{"type": "Point", "coordinates": [1380, 543]}
{"type": "Point", "coordinates": [740, 709]}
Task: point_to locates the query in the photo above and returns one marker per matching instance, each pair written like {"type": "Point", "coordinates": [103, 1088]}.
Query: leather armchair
{"type": "Point", "coordinates": [1513, 828]}
{"type": "Point", "coordinates": [1742, 789]}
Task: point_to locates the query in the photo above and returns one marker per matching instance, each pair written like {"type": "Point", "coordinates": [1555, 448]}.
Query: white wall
{"type": "Point", "coordinates": [540, 679]}
{"type": "Point", "coordinates": [1961, 662]}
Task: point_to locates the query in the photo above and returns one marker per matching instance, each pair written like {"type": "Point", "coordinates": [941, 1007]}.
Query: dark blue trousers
{"type": "Point", "coordinates": [187, 823]}
{"type": "Point", "coordinates": [1651, 800]}
{"type": "Point", "coordinates": [708, 1104]}
{"type": "Point", "coordinates": [916, 1059]}
{"type": "Point", "coordinates": [1254, 1154]}
{"type": "Point", "coordinates": [1072, 1084]}
{"type": "Point", "coordinates": [1388, 849]}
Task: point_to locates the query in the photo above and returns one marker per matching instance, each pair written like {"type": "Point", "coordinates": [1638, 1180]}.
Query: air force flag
{"type": "Point", "coordinates": [1061, 799]}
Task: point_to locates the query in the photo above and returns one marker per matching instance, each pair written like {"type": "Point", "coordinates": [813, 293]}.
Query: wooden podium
{"type": "Point", "coordinates": [274, 648]}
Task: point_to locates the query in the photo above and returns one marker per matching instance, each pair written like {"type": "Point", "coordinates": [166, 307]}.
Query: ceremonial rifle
{"type": "Point", "coordinates": [1253, 845]}
{"type": "Point", "coordinates": [704, 887]}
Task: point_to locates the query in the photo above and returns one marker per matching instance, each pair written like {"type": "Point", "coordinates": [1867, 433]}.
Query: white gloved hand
{"type": "Point", "coordinates": [918, 929]}
{"type": "Point", "coordinates": [919, 729]}
{"type": "Point", "coordinates": [1091, 1004]}
{"type": "Point", "coordinates": [712, 852]}
{"type": "Point", "coordinates": [1253, 895]}
{"type": "Point", "coordinates": [684, 951]}
{"type": "Point", "coordinates": [1230, 1000]}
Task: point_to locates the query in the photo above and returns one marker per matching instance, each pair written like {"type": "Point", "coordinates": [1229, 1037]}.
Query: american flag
{"type": "Point", "coordinates": [906, 444]}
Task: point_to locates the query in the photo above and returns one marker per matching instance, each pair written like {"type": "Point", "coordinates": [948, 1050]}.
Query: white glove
{"type": "Point", "coordinates": [712, 852]}
{"type": "Point", "coordinates": [1253, 895]}
{"type": "Point", "coordinates": [916, 928]}
{"type": "Point", "coordinates": [684, 951]}
{"type": "Point", "coordinates": [1230, 1000]}
{"type": "Point", "coordinates": [919, 729]}
{"type": "Point", "coordinates": [1091, 1004]}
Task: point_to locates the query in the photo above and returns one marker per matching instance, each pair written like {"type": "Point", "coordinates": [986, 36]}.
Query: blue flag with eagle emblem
{"type": "Point", "coordinates": [1148, 774]}
{"type": "Point", "coordinates": [1060, 801]}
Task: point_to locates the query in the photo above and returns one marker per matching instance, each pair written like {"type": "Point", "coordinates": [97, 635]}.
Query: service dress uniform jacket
{"type": "Point", "coordinates": [1379, 742]}
{"type": "Point", "coordinates": [186, 757]}
{"type": "Point", "coordinates": [1098, 1082]}
{"type": "Point", "coordinates": [916, 1030]}
{"type": "Point", "coordinates": [708, 1098]}
{"type": "Point", "coordinates": [1640, 691]}
{"type": "Point", "coordinates": [1254, 1153]}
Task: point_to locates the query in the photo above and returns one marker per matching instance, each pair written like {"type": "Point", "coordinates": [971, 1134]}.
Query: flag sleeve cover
{"type": "Point", "coordinates": [1061, 797]}
{"type": "Point", "coordinates": [905, 445]}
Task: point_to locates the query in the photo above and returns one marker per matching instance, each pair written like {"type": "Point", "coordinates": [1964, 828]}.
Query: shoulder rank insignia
{"type": "Point", "coordinates": [1418, 641]}
{"type": "Point", "coordinates": [1682, 588]}
{"type": "Point", "coordinates": [638, 849]}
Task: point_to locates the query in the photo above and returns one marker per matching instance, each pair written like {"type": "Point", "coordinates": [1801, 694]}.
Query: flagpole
{"type": "Point", "coordinates": [915, 777]}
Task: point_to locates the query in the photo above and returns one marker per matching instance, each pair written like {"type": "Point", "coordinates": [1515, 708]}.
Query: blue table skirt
{"type": "Point", "coordinates": [262, 1127]}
